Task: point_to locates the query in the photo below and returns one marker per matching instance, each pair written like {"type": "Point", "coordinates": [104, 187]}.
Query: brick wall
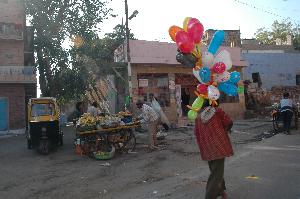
{"type": "Point", "coordinates": [277, 92]}
{"type": "Point", "coordinates": [11, 53]}
{"type": "Point", "coordinates": [12, 11]}
{"type": "Point", "coordinates": [16, 102]}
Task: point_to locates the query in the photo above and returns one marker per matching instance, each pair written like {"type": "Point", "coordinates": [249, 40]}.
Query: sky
{"type": "Point", "coordinates": [156, 16]}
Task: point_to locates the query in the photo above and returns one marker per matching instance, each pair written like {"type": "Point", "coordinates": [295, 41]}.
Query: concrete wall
{"type": "Point", "coordinates": [275, 69]}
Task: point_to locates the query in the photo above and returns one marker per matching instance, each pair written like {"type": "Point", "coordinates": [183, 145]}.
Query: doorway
{"type": "Point", "coordinates": [3, 114]}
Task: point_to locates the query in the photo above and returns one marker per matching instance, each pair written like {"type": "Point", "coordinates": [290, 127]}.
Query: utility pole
{"type": "Point", "coordinates": [128, 51]}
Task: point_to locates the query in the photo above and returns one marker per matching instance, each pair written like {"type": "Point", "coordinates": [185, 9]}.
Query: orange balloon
{"type": "Point", "coordinates": [172, 32]}
{"type": "Point", "coordinates": [185, 23]}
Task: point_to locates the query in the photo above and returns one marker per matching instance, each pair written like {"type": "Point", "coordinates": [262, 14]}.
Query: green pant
{"type": "Point", "coordinates": [215, 184]}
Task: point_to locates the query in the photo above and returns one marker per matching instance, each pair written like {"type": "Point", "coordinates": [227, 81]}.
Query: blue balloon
{"type": "Point", "coordinates": [216, 41]}
{"type": "Point", "coordinates": [204, 74]}
{"type": "Point", "coordinates": [235, 77]}
{"type": "Point", "coordinates": [228, 88]}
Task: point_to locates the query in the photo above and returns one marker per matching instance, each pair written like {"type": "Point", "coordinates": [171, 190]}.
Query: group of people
{"type": "Point", "coordinates": [212, 128]}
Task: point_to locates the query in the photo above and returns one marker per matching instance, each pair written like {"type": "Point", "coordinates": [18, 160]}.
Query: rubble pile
{"type": "Point", "coordinates": [277, 91]}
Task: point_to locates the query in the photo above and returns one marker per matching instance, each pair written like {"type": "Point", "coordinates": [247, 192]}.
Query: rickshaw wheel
{"type": "Point", "coordinates": [296, 115]}
{"type": "Point", "coordinates": [130, 143]}
{"type": "Point", "coordinates": [275, 123]}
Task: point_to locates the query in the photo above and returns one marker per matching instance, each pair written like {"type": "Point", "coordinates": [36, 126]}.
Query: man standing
{"type": "Point", "coordinates": [149, 116]}
{"type": "Point", "coordinates": [286, 110]}
{"type": "Point", "coordinates": [211, 131]}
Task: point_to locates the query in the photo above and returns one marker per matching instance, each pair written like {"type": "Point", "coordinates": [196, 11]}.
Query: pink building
{"type": "Point", "coordinates": [155, 70]}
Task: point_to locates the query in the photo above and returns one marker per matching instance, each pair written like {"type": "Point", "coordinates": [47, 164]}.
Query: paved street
{"type": "Point", "coordinates": [272, 166]}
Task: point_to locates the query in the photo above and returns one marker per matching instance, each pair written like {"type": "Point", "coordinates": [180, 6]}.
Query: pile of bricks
{"type": "Point", "coordinates": [277, 92]}
{"type": "Point", "coordinates": [257, 96]}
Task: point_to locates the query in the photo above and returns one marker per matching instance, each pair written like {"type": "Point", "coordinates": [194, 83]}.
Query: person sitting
{"type": "Point", "coordinates": [286, 110]}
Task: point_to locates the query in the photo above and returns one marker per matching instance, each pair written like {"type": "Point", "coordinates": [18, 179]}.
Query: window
{"type": "Point", "coordinates": [256, 78]}
{"type": "Point", "coordinates": [42, 109]}
{"type": "Point", "coordinates": [297, 79]}
{"type": "Point", "coordinates": [156, 84]}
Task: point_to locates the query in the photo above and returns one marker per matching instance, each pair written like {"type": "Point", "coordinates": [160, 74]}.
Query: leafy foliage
{"type": "Point", "coordinates": [62, 75]}
{"type": "Point", "coordinates": [279, 30]}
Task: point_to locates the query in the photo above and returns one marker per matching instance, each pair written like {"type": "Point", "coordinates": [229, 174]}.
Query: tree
{"type": "Point", "coordinates": [100, 52]}
{"type": "Point", "coordinates": [279, 30]}
{"type": "Point", "coordinates": [55, 22]}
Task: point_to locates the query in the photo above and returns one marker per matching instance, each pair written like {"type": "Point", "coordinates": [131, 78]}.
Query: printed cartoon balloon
{"type": "Point", "coordinates": [204, 74]}
{"type": "Point", "coordinates": [207, 59]}
{"type": "Point", "coordinates": [197, 75]}
{"type": "Point", "coordinates": [235, 77]}
{"type": "Point", "coordinates": [223, 77]}
{"type": "Point", "coordinates": [228, 88]}
{"type": "Point", "coordinates": [219, 67]}
{"type": "Point", "coordinates": [224, 56]}
{"type": "Point", "coordinates": [213, 92]}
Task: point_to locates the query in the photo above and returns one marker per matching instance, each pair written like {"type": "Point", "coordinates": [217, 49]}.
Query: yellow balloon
{"type": "Point", "coordinates": [185, 23]}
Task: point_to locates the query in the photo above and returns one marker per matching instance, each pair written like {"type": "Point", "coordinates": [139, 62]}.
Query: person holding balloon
{"type": "Point", "coordinates": [211, 131]}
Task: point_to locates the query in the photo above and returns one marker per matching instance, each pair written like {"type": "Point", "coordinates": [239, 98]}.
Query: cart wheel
{"type": "Point", "coordinates": [275, 123]}
{"type": "Point", "coordinates": [130, 143]}
{"type": "Point", "coordinates": [29, 144]}
{"type": "Point", "coordinates": [296, 119]}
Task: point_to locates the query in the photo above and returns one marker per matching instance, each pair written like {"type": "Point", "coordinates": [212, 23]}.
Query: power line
{"type": "Point", "coordinates": [264, 10]}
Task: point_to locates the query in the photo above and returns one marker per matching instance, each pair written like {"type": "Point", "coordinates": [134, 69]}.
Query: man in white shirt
{"type": "Point", "coordinates": [286, 110]}
{"type": "Point", "coordinates": [151, 117]}
{"type": "Point", "coordinates": [93, 110]}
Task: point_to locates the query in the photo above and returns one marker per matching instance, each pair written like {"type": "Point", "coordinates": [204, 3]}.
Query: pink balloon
{"type": "Point", "coordinates": [192, 21]}
{"type": "Point", "coordinates": [195, 31]}
{"type": "Point", "coordinates": [184, 42]}
{"type": "Point", "coordinates": [202, 88]}
{"type": "Point", "coordinates": [219, 67]}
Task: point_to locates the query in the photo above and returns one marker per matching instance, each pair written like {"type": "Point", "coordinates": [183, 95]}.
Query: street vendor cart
{"type": "Point", "coordinates": [100, 137]}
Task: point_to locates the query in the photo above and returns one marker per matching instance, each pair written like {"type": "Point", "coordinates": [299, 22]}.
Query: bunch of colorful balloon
{"type": "Point", "coordinates": [211, 69]}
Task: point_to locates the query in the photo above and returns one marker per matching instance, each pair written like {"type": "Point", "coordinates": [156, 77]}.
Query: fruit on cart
{"type": "Point", "coordinates": [125, 113]}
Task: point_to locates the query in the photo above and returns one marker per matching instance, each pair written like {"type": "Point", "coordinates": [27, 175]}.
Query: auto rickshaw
{"type": "Point", "coordinates": [43, 128]}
